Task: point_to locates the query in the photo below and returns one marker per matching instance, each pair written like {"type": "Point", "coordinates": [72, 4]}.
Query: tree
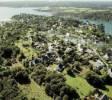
{"type": "Point", "coordinates": [1, 60]}
{"type": "Point", "coordinates": [22, 77]}
{"type": "Point", "coordinates": [22, 56]}
{"type": "Point", "coordinates": [108, 80]}
{"type": "Point", "coordinates": [58, 98]}
{"type": "Point", "coordinates": [70, 72]}
{"type": "Point", "coordinates": [101, 28]}
{"type": "Point", "coordinates": [96, 81]}
{"type": "Point", "coordinates": [7, 53]}
{"type": "Point", "coordinates": [8, 89]}
{"type": "Point", "coordinates": [1, 86]}
{"type": "Point", "coordinates": [65, 97]}
{"type": "Point", "coordinates": [56, 86]}
{"type": "Point", "coordinates": [47, 89]}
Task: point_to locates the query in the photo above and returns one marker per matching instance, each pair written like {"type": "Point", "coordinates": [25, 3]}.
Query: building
{"type": "Point", "coordinates": [110, 72]}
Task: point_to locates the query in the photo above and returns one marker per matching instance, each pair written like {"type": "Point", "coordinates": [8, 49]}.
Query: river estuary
{"type": "Point", "coordinates": [8, 12]}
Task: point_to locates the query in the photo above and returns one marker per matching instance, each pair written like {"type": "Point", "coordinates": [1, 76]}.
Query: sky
{"type": "Point", "coordinates": [54, 0]}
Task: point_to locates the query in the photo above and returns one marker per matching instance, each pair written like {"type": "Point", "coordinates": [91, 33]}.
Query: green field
{"type": "Point", "coordinates": [80, 84]}
{"type": "Point", "coordinates": [33, 90]}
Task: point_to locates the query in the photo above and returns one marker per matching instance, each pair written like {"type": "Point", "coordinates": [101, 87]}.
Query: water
{"type": "Point", "coordinates": [6, 13]}
{"type": "Point", "coordinates": [107, 24]}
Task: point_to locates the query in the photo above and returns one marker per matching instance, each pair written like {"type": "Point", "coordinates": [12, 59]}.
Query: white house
{"type": "Point", "coordinates": [79, 47]}
{"type": "Point", "coordinates": [106, 57]}
{"type": "Point", "coordinates": [68, 50]}
{"type": "Point", "coordinates": [50, 47]}
{"type": "Point", "coordinates": [59, 59]}
{"type": "Point", "coordinates": [78, 31]}
{"type": "Point", "coordinates": [99, 64]}
{"type": "Point", "coordinates": [67, 35]}
{"type": "Point", "coordinates": [110, 72]}
{"type": "Point", "coordinates": [89, 51]}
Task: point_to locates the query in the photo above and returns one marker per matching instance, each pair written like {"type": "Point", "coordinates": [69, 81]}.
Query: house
{"type": "Point", "coordinates": [37, 60]}
{"type": "Point", "coordinates": [45, 58]}
{"type": "Point", "coordinates": [33, 62]}
{"type": "Point", "coordinates": [79, 47]}
{"type": "Point", "coordinates": [66, 40]}
{"type": "Point", "coordinates": [30, 63]}
{"type": "Point", "coordinates": [110, 72]}
{"type": "Point", "coordinates": [36, 44]}
{"type": "Point", "coordinates": [106, 57]}
{"type": "Point", "coordinates": [55, 43]}
{"type": "Point", "coordinates": [99, 64]}
{"type": "Point", "coordinates": [104, 97]}
{"type": "Point", "coordinates": [82, 41]}
{"type": "Point", "coordinates": [59, 59]}
{"type": "Point", "coordinates": [89, 51]}
{"type": "Point", "coordinates": [75, 71]}
{"type": "Point", "coordinates": [78, 31]}
{"type": "Point", "coordinates": [60, 67]}
{"type": "Point", "coordinates": [97, 95]}
{"type": "Point", "coordinates": [49, 68]}
{"type": "Point", "coordinates": [68, 50]}
{"type": "Point", "coordinates": [67, 35]}
{"type": "Point", "coordinates": [109, 53]}
{"type": "Point", "coordinates": [50, 47]}
{"type": "Point", "coordinates": [101, 97]}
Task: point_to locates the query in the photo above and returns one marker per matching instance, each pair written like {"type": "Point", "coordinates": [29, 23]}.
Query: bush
{"type": "Point", "coordinates": [22, 77]}
{"type": "Point", "coordinates": [7, 53]}
{"type": "Point", "coordinates": [1, 86]}
{"type": "Point", "coordinates": [69, 72]}
{"type": "Point", "coordinates": [47, 89]}
{"type": "Point", "coordinates": [9, 89]}
{"type": "Point", "coordinates": [8, 63]}
{"type": "Point", "coordinates": [65, 97]}
{"type": "Point", "coordinates": [56, 86]}
{"type": "Point", "coordinates": [108, 80]}
{"type": "Point", "coordinates": [1, 60]}
{"type": "Point", "coordinates": [58, 98]}
{"type": "Point", "coordinates": [22, 56]}
{"type": "Point", "coordinates": [96, 81]}
{"type": "Point", "coordinates": [39, 74]}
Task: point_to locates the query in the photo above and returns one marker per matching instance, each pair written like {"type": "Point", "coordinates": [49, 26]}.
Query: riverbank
{"type": "Point", "coordinates": [9, 12]}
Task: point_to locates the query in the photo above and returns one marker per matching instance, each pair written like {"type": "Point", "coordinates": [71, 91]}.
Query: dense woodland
{"type": "Point", "coordinates": [98, 15]}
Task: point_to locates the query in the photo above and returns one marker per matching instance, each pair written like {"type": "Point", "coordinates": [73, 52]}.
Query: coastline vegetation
{"type": "Point", "coordinates": [45, 58]}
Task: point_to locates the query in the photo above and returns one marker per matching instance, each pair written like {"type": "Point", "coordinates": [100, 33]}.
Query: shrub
{"type": "Point", "coordinates": [22, 77]}
{"type": "Point", "coordinates": [65, 97]}
{"type": "Point", "coordinates": [108, 80]}
{"type": "Point", "coordinates": [96, 81]}
{"type": "Point", "coordinates": [9, 89]}
{"type": "Point", "coordinates": [69, 72]}
{"type": "Point", "coordinates": [7, 53]}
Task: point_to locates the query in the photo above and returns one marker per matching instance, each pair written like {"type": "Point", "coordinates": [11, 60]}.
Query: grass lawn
{"type": "Point", "coordinates": [80, 84]}
{"type": "Point", "coordinates": [33, 90]}
{"type": "Point", "coordinates": [27, 51]}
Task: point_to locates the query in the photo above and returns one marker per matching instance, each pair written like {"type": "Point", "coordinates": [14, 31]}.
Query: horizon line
{"type": "Point", "coordinates": [56, 1]}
